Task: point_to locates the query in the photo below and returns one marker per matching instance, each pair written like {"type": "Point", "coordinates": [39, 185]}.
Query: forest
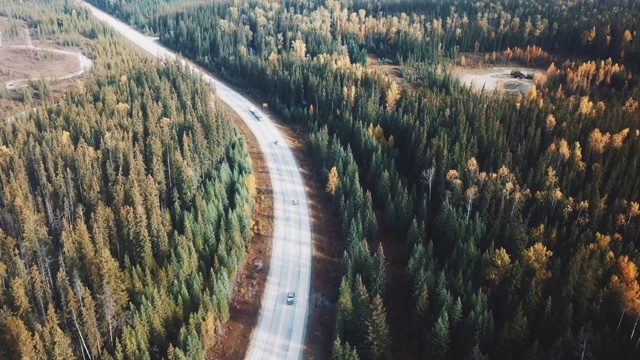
{"type": "Point", "coordinates": [518, 214]}
{"type": "Point", "coordinates": [124, 206]}
{"type": "Point", "coordinates": [125, 210]}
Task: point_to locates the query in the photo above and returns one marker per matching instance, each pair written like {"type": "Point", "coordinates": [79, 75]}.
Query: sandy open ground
{"type": "Point", "coordinates": [492, 78]}
{"type": "Point", "coordinates": [22, 59]}
{"type": "Point", "coordinates": [24, 63]}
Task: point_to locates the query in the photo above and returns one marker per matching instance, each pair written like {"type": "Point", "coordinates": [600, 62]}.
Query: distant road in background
{"type": "Point", "coordinates": [281, 328]}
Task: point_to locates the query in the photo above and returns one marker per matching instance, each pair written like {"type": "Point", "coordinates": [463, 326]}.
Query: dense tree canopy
{"type": "Point", "coordinates": [123, 208]}
{"type": "Point", "coordinates": [519, 214]}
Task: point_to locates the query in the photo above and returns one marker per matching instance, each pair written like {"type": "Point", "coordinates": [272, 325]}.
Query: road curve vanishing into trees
{"type": "Point", "coordinates": [281, 328]}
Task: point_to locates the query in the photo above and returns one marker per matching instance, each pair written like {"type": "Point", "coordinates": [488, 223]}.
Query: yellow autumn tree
{"type": "Point", "coordinates": [589, 36]}
{"type": "Point", "coordinates": [333, 181]}
{"type": "Point", "coordinates": [16, 338]}
{"type": "Point", "coordinates": [250, 183]}
{"type": "Point", "coordinates": [550, 122]}
{"type": "Point", "coordinates": [532, 93]}
{"type": "Point", "coordinates": [585, 106]}
{"type": "Point", "coordinates": [274, 58]}
{"type": "Point", "coordinates": [392, 95]}
{"type": "Point", "coordinates": [208, 331]}
{"type": "Point", "coordinates": [20, 299]}
{"type": "Point", "coordinates": [630, 106]}
{"type": "Point", "coordinates": [472, 166]}
{"type": "Point", "coordinates": [377, 134]}
{"type": "Point", "coordinates": [633, 210]}
{"type": "Point", "coordinates": [624, 284]}
{"type": "Point", "coordinates": [598, 141]}
{"type": "Point", "coordinates": [498, 265]}
{"type": "Point", "coordinates": [299, 49]}
{"type": "Point", "coordinates": [617, 140]}
{"type": "Point", "coordinates": [562, 147]}
{"type": "Point", "coordinates": [453, 178]}
{"type": "Point", "coordinates": [537, 257]}
{"type": "Point", "coordinates": [603, 240]}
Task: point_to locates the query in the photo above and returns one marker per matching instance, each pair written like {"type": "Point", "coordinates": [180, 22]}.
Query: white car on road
{"type": "Point", "coordinates": [255, 113]}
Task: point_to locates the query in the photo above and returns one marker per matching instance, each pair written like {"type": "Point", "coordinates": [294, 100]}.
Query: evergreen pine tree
{"type": "Point", "coordinates": [344, 311]}
{"type": "Point", "coordinates": [437, 341]}
{"type": "Point", "coordinates": [378, 342]}
{"type": "Point", "coordinates": [361, 314]}
{"type": "Point", "coordinates": [378, 281]}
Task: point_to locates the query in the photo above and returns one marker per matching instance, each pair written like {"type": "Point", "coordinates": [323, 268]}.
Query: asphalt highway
{"type": "Point", "coordinates": [281, 328]}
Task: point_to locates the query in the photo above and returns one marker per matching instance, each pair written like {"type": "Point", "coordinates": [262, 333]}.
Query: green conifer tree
{"type": "Point", "coordinates": [378, 342]}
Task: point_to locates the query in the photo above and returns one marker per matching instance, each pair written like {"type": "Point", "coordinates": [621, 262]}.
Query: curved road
{"type": "Point", "coordinates": [281, 327]}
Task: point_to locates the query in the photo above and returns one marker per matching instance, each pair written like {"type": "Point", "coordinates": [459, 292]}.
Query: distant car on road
{"type": "Point", "coordinates": [255, 113]}
{"type": "Point", "coordinates": [290, 297]}
{"type": "Point", "coordinates": [295, 202]}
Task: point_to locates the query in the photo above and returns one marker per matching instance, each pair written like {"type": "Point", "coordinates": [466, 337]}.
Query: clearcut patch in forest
{"type": "Point", "coordinates": [19, 61]}
{"type": "Point", "coordinates": [23, 59]}
{"type": "Point", "coordinates": [24, 63]}
{"type": "Point", "coordinates": [393, 72]}
{"type": "Point", "coordinates": [495, 78]}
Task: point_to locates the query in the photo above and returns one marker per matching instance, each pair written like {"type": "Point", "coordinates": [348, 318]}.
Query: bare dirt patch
{"type": "Point", "coordinates": [492, 78]}
{"type": "Point", "coordinates": [23, 60]}
{"type": "Point", "coordinates": [34, 64]}
{"type": "Point", "coordinates": [393, 72]}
